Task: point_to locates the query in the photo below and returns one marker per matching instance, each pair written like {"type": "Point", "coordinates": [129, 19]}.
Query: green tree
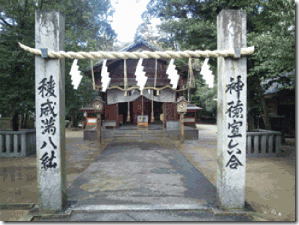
{"type": "Point", "coordinates": [201, 95]}
{"type": "Point", "coordinates": [146, 32]}
{"type": "Point", "coordinates": [191, 24]}
{"type": "Point", "coordinates": [83, 96]}
{"type": "Point", "coordinates": [86, 29]}
{"type": "Point", "coordinates": [275, 44]}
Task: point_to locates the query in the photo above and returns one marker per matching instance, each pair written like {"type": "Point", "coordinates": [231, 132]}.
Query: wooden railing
{"type": "Point", "coordinates": [17, 143]}
{"type": "Point", "coordinates": [263, 143]}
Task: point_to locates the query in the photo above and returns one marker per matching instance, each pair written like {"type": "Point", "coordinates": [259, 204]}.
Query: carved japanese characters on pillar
{"type": "Point", "coordinates": [47, 117]}
{"type": "Point", "coordinates": [235, 110]}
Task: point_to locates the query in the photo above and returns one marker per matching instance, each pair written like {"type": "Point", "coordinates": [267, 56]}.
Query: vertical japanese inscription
{"type": "Point", "coordinates": [235, 113]}
{"type": "Point", "coordinates": [47, 117]}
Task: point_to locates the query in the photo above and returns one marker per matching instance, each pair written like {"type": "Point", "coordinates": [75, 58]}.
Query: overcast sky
{"type": "Point", "coordinates": [127, 18]}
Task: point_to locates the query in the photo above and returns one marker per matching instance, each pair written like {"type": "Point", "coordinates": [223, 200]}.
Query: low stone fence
{"type": "Point", "coordinates": [17, 143]}
{"type": "Point", "coordinates": [263, 143]}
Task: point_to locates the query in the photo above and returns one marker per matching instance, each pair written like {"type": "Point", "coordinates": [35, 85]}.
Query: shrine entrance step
{"type": "Point", "coordinates": [140, 136]}
{"type": "Point", "coordinates": [135, 127]}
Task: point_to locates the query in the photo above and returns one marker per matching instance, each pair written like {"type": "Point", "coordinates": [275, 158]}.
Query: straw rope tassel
{"type": "Point", "coordinates": [93, 82]}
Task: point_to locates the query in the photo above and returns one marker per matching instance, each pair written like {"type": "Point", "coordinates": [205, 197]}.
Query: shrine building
{"type": "Point", "coordinates": [121, 110]}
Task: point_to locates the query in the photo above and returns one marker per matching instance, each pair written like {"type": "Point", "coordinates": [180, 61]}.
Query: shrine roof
{"type": "Point", "coordinates": [192, 106]}
{"type": "Point", "coordinates": [136, 44]}
{"type": "Point", "coordinates": [274, 86]}
{"type": "Point", "coordinates": [140, 42]}
{"type": "Point", "coordinates": [88, 107]}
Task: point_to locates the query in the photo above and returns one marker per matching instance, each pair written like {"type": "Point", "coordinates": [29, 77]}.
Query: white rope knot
{"type": "Point", "coordinates": [138, 55]}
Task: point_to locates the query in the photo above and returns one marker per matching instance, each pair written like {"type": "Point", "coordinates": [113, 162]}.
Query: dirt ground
{"type": "Point", "coordinates": [19, 183]}
{"type": "Point", "coordinates": [270, 182]}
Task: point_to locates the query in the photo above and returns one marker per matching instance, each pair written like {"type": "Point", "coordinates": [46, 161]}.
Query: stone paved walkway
{"type": "Point", "coordinates": [154, 172]}
{"type": "Point", "coordinates": [145, 180]}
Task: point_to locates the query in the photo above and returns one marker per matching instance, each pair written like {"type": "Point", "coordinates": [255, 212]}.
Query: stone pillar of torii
{"type": "Point", "coordinates": [232, 109]}
{"type": "Point", "coordinates": [50, 112]}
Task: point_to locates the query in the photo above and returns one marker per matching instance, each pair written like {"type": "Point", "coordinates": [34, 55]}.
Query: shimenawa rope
{"type": "Point", "coordinates": [138, 55]}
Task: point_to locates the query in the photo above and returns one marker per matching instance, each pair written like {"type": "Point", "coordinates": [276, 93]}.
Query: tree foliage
{"type": "Point", "coordinates": [86, 29]}
{"type": "Point", "coordinates": [275, 42]}
{"type": "Point", "coordinates": [192, 24]}
{"type": "Point", "coordinates": [83, 96]}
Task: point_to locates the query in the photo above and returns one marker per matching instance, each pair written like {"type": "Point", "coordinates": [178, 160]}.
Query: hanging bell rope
{"type": "Point", "coordinates": [190, 74]}
{"type": "Point", "coordinates": [142, 120]}
{"type": "Point", "coordinates": [125, 88]}
{"type": "Point", "coordinates": [92, 74]}
{"type": "Point", "coordinates": [125, 77]}
{"type": "Point", "coordinates": [128, 116]}
{"type": "Point", "coordinates": [156, 68]}
{"type": "Point", "coordinates": [152, 116]}
{"type": "Point", "coordinates": [188, 80]}
{"type": "Point", "coordinates": [156, 74]}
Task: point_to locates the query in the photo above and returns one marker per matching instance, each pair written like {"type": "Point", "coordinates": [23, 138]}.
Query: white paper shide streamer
{"type": "Point", "coordinates": [140, 76]}
{"type": "Point", "coordinates": [207, 73]}
{"type": "Point", "coordinates": [173, 74]}
{"type": "Point", "coordinates": [75, 74]}
{"type": "Point", "coordinates": [105, 79]}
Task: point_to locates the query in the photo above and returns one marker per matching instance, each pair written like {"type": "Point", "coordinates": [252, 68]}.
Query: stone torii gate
{"type": "Point", "coordinates": [50, 111]}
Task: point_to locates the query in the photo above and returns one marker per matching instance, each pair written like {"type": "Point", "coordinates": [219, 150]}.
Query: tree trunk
{"type": "Point", "coordinates": [250, 123]}
{"type": "Point", "coordinates": [25, 120]}
{"type": "Point", "coordinates": [250, 120]}
{"type": "Point", "coordinates": [15, 122]}
{"type": "Point", "coordinates": [22, 120]}
{"type": "Point", "coordinates": [266, 117]}
{"type": "Point", "coordinates": [72, 122]}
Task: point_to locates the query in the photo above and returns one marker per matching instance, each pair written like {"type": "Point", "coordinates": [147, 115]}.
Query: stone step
{"type": "Point", "coordinates": [141, 136]}
{"type": "Point", "coordinates": [124, 136]}
{"type": "Point", "coordinates": [139, 131]}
